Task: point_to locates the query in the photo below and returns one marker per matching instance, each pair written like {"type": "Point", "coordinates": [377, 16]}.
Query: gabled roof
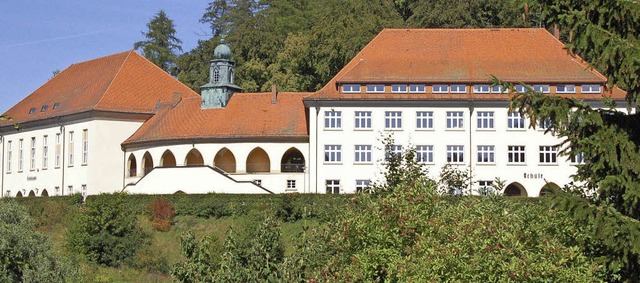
{"type": "Point", "coordinates": [246, 116]}
{"type": "Point", "coordinates": [123, 82]}
{"type": "Point", "coordinates": [460, 56]}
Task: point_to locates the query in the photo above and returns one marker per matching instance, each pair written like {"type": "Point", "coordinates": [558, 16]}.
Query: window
{"type": "Point", "coordinates": [497, 89]}
{"type": "Point", "coordinates": [56, 105]}
{"type": "Point", "coordinates": [548, 154]}
{"type": "Point", "coordinates": [257, 182]}
{"type": "Point", "coordinates": [486, 154]}
{"type": "Point", "coordinates": [544, 124]}
{"type": "Point", "coordinates": [485, 187]}
{"type": "Point", "coordinates": [363, 154]}
{"type": "Point", "coordinates": [393, 120]}
{"type": "Point", "coordinates": [56, 191]}
{"type": "Point", "coordinates": [32, 110]}
{"type": "Point", "coordinates": [32, 163]}
{"type": "Point", "coordinates": [541, 88]}
{"type": "Point", "coordinates": [515, 121]}
{"type": "Point", "coordinates": [455, 120]}
{"type": "Point", "coordinates": [351, 88]}
{"type": "Point", "coordinates": [216, 75]}
{"type": "Point", "coordinates": [424, 120]}
{"type": "Point", "coordinates": [417, 89]}
{"type": "Point", "coordinates": [70, 147]}
{"type": "Point", "coordinates": [9, 156]}
{"type": "Point", "coordinates": [516, 153]}
{"type": "Point", "coordinates": [333, 186]}
{"type": "Point", "coordinates": [362, 185]}
{"type": "Point", "coordinates": [399, 88]}
{"type": "Point", "coordinates": [578, 158]}
{"type": "Point", "coordinates": [332, 153]}
{"type": "Point", "coordinates": [481, 88]}
{"type": "Point", "coordinates": [566, 89]}
{"type": "Point", "coordinates": [44, 108]}
{"type": "Point", "coordinates": [363, 119]}
{"type": "Point", "coordinates": [58, 149]}
{"type": "Point", "coordinates": [455, 153]}
{"type": "Point", "coordinates": [440, 88]}
{"type": "Point", "coordinates": [20, 155]}
{"type": "Point", "coordinates": [375, 88]}
{"type": "Point", "coordinates": [84, 191]}
{"type": "Point", "coordinates": [424, 153]}
{"type": "Point", "coordinates": [393, 151]}
{"type": "Point", "coordinates": [291, 184]}
{"type": "Point", "coordinates": [591, 89]}
{"type": "Point", "coordinates": [521, 88]}
{"type": "Point", "coordinates": [85, 146]}
{"type": "Point", "coordinates": [458, 89]}
{"type": "Point", "coordinates": [485, 119]}
{"type": "Point", "coordinates": [45, 152]}
{"type": "Point", "coordinates": [70, 190]}
{"type": "Point", "coordinates": [332, 119]}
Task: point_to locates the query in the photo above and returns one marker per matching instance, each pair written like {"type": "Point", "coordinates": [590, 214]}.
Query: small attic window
{"type": "Point", "coordinates": [44, 108]}
{"type": "Point", "coordinates": [56, 105]}
{"type": "Point", "coordinates": [350, 88]}
{"type": "Point", "coordinates": [32, 110]}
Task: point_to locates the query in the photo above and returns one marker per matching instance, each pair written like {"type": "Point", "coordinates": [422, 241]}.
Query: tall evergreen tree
{"type": "Point", "coordinates": [161, 44]}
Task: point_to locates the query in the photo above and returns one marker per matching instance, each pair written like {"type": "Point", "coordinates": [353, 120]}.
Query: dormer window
{"type": "Point", "coordinates": [351, 88]}
{"type": "Point", "coordinates": [32, 110]}
{"type": "Point", "coordinates": [481, 88]}
{"type": "Point", "coordinates": [44, 108]}
{"type": "Point", "coordinates": [521, 89]}
{"type": "Point", "coordinates": [541, 88]}
{"type": "Point", "coordinates": [375, 88]}
{"type": "Point", "coordinates": [399, 88]}
{"type": "Point", "coordinates": [497, 89]}
{"type": "Point", "coordinates": [458, 89]}
{"type": "Point", "coordinates": [56, 105]}
{"type": "Point", "coordinates": [216, 75]}
{"type": "Point", "coordinates": [417, 89]}
{"type": "Point", "coordinates": [566, 89]}
{"type": "Point", "coordinates": [591, 89]}
{"type": "Point", "coordinates": [440, 88]}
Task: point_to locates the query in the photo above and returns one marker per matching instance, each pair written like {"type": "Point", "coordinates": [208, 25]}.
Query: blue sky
{"type": "Point", "coordinates": [38, 37]}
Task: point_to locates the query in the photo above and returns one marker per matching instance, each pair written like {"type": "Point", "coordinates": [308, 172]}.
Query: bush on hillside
{"type": "Point", "coordinates": [161, 214]}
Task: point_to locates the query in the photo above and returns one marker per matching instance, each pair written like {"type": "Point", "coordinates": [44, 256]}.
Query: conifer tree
{"type": "Point", "coordinates": [161, 44]}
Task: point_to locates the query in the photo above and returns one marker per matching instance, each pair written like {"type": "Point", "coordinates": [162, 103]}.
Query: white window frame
{"type": "Point", "coordinates": [416, 88]}
{"type": "Point", "coordinates": [515, 153]}
{"type": "Point", "coordinates": [566, 89]}
{"type": "Point", "coordinates": [20, 155]}
{"type": "Point", "coordinates": [84, 191]}
{"type": "Point", "coordinates": [362, 184]}
{"type": "Point", "coordinates": [424, 154]}
{"type": "Point", "coordinates": [399, 88]}
{"type": "Point", "coordinates": [363, 120]}
{"type": "Point", "coordinates": [291, 184]}
{"type": "Point", "coordinates": [56, 191]}
{"type": "Point", "coordinates": [9, 156]}
{"type": "Point", "coordinates": [578, 158]}
{"type": "Point", "coordinates": [485, 184]}
{"type": "Point", "coordinates": [542, 88]}
{"type": "Point", "coordinates": [332, 120]}
{"type": "Point", "coordinates": [393, 120]}
{"type": "Point", "coordinates": [85, 146]}
{"type": "Point", "coordinates": [332, 186]}
{"type": "Point", "coordinates": [458, 88]}
{"type": "Point", "coordinates": [589, 88]}
{"type": "Point", "coordinates": [548, 154]}
{"type": "Point", "coordinates": [515, 121]}
{"type": "Point", "coordinates": [70, 147]}
{"type": "Point", "coordinates": [351, 88]}
{"type": "Point", "coordinates": [333, 154]}
{"type": "Point", "coordinates": [396, 149]}
{"type": "Point", "coordinates": [440, 88]}
{"type": "Point", "coordinates": [455, 154]}
{"type": "Point", "coordinates": [375, 88]}
{"type": "Point", "coordinates": [455, 120]}
{"type": "Point", "coordinates": [498, 89]}
{"type": "Point", "coordinates": [362, 154]}
{"type": "Point", "coordinates": [45, 152]}
{"type": "Point", "coordinates": [485, 120]}
{"type": "Point", "coordinates": [70, 190]}
{"type": "Point", "coordinates": [521, 88]}
{"type": "Point", "coordinates": [481, 88]}
{"type": "Point", "coordinates": [486, 154]}
{"type": "Point", "coordinates": [424, 120]}
{"type": "Point", "coordinates": [544, 124]}
{"type": "Point", "coordinates": [32, 155]}
{"type": "Point", "coordinates": [58, 151]}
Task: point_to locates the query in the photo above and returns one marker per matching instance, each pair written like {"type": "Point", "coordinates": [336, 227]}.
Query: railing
{"type": "Point", "coordinates": [291, 167]}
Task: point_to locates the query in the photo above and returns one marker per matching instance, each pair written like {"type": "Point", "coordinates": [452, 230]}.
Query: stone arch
{"type": "Point", "coordinates": [292, 161]}
{"type": "Point", "coordinates": [44, 193]}
{"type": "Point", "coordinates": [132, 166]}
{"type": "Point", "coordinates": [179, 193]}
{"type": "Point", "coordinates": [225, 160]}
{"type": "Point", "coordinates": [147, 163]}
{"type": "Point", "coordinates": [168, 159]}
{"type": "Point", "coordinates": [19, 194]}
{"type": "Point", "coordinates": [258, 161]}
{"type": "Point", "coordinates": [32, 194]}
{"type": "Point", "coordinates": [193, 158]}
{"type": "Point", "coordinates": [515, 189]}
{"type": "Point", "coordinates": [547, 188]}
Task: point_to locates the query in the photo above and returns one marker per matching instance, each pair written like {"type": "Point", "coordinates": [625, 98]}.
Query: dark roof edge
{"type": "Point", "coordinates": [197, 140]}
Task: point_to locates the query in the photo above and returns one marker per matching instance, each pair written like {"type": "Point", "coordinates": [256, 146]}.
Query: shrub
{"type": "Point", "coordinates": [161, 214]}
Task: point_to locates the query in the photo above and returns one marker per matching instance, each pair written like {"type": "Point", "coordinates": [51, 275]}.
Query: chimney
{"type": "Point", "coordinates": [274, 94]}
{"type": "Point", "coordinates": [556, 31]}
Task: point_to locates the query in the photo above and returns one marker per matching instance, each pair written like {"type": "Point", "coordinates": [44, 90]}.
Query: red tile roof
{"type": "Point", "coordinates": [122, 82]}
{"type": "Point", "coordinates": [247, 115]}
{"type": "Point", "coordinates": [464, 56]}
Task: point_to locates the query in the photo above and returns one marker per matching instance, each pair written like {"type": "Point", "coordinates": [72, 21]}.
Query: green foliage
{"type": "Point", "coordinates": [161, 214]}
{"type": "Point", "coordinates": [106, 232]}
{"type": "Point", "coordinates": [25, 255]}
{"type": "Point", "coordinates": [472, 14]}
{"type": "Point", "coordinates": [160, 44]}
{"type": "Point", "coordinates": [454, 181]}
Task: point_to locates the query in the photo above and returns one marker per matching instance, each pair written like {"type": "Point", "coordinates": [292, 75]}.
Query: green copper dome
{"type": "Point", "coordinates": [222, 51]}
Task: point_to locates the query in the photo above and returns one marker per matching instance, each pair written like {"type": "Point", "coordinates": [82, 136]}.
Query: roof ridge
{"type": "Point", "coordinates": [113, 79]}
{"type": "Point", "coordinates": [578, 60]}
{"type": "Point", "coordinates": [462, 29]}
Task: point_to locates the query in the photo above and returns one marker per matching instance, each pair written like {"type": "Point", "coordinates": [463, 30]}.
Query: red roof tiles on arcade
{"type": "Point", "coordinates": [246, 116]}
{"type": "Point", "coordinates": [123, 82]}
